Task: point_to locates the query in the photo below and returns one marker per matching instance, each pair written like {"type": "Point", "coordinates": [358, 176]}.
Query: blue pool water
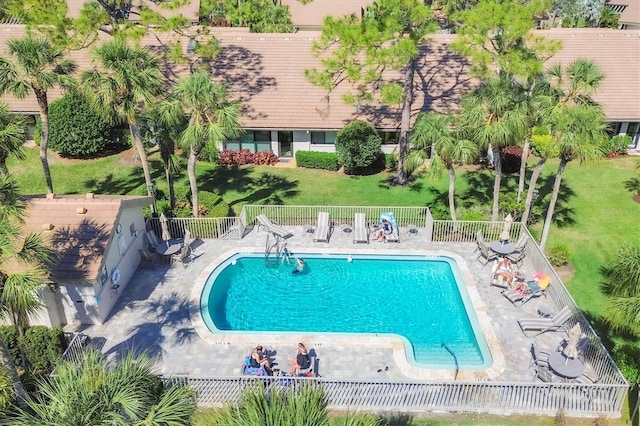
{"type": "Point", "coordinates": [423, 300]}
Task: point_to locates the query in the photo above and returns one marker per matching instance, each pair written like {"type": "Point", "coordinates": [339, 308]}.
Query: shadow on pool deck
{"type": "Point", "coordinates": [152, 315]}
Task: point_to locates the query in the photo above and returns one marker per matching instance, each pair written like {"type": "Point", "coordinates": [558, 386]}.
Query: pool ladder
{"type": "Point", "coordinates": [269, 248]}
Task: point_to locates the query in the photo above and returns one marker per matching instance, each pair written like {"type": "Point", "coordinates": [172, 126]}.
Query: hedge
{"type": "Point", "coordinates": [317, 160]}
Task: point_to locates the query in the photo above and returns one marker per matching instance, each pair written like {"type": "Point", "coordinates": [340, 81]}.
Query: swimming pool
{"type": "Point", "coordinates": [421, 300]}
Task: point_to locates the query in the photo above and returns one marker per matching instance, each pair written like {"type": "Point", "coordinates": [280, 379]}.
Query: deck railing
{"type": "Point", "coordinates": [604, 398]}
{"type": "Point", "coordinates": [572, 399]}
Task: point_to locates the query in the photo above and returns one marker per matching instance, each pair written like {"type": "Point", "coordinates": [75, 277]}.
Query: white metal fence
{"type": "Point", "coordinates": [572, 399]}
{"type": "Point", "coordinates": [604, 398]}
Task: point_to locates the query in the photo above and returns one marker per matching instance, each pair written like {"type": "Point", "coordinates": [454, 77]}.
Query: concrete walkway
{"type": "Point", "coordinates": [158, 312]}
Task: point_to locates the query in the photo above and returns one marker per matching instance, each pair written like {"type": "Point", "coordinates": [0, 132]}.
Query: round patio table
{"type": "Point", "coordinates": [503, 249]}
{"type": "Point", "coordinates": [569, 368]}
{"type": "Point", "coordinates": [166, 251]}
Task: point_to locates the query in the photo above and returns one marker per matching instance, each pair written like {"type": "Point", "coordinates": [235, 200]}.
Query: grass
{"type": "Point", "coordinates": [595, 214]}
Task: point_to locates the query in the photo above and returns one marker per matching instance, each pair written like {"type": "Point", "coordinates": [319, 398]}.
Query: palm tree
{"type": "Point", "coordinates": [622, 283]}
{"type": "Point", "coordinates": [433, 131]}
{"type": "Point", "coordinates": [128, 80]}
{"type": "Point", "coordinates": [494, 115]}
{"type": "Point", "coordinates": [577, 124]}
{"type": "Point", "coordinates": [23, 268]}
{"type": "Point", "coordinates": [13, 131]}
{"type": "Point", "coordinates": [38, 67]}
{"type": "Point", "coordinates": [211, 118]}
{"type": "Point", "coordinates": [93, 391]}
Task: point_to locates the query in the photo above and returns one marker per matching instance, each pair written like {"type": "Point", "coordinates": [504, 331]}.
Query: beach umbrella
{"type": "Point", "coordinates": [571, 350]}
{"type": "Point", "coordinates": [165, 228]}
{"type": "Point", "coordinates": [507, 226]}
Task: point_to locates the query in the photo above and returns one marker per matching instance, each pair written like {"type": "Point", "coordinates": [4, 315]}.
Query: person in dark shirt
{"type": "Point", "coordinates": [302, 360]}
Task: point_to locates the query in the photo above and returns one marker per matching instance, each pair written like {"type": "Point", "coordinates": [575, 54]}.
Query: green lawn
{"type": "Point", "coordinates": [594, 215]}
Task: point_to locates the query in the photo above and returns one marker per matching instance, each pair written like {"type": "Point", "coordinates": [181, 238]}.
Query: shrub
{"type": "Point", "coordinates": [473, 213]}
{"type": "Point", "coordinates": [511, 158]}
{"type": "Point", "coordinates": [617, 145]}
{"type": "Point", "coordinates": [75, 129]}
{"type": "Point", "coordinates": [509, 204]}
{"type": "Point", "coordinates": [10, 335]}
{"type": "Point", "coordinates": [235, 158]}
{"type": "Point", "coordinates": [558, 255]}
{"type": "Point", "coordinates": [7, 395]}
{"type": "Point", "coordinates": [358, 147]}
{"type": "Point", "coordinates": [627, 357]}
{"type": "Point", "coordinates": [212, 205]}
{"type": "Point", "coordinates": [209, 153]}
{"type": "Point", "coordinates": [317, 160]}
{"type": "Point", "coordinates": [43, 347]}
{"type": "Point", "coordinates": [265, 157]}
{"type": "Point", "coordinates": [633, 185]}
{"type": "Point", "coordinates": [390, 162]}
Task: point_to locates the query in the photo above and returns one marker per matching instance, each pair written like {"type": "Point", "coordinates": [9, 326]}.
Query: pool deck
{"type": "Point", "coordinates": [158, 312]}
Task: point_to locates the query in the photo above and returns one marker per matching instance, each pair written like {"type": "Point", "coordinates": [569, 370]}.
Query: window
{"type": "Point", "coordinates": [389, 138]}
{"type": "Point", "coordinates": [254, 141]}
{"type": "Point", "coordinates": [327, 138]}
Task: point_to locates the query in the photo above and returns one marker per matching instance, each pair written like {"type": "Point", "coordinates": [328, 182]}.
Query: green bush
{"type": "Point", "coordinates": [509, 204]}
{"type": "Point", "coordinates": [10, 335]}
{"type": "Point", "coordinates": [617, 145]}
{"type": "Point", "coordinates": [209, 153]}
{"type": "Point", "coordinates": [627, 357]}
{"type": "Point", "coordinates": [558, 255]}
{"type": "Point", "coordinates": [390, 162]}
{"type": "Point", "coordinates": [75, 129]}
{"type": "Point", "coordinates": [317, 160]}
{"type": "Point", "coordinates": [358, 147]}
{"type": "Point", "coordinates": [43, 347]}
{"type": "Point", "coordinates": [7, 395]}
{"type": "Point", "coordinates": [212, 205]}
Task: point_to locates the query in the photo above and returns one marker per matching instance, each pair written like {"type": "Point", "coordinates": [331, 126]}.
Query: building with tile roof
{"type": "Point", "coordinates": [96, 239]}
{"type": "Point", "coordinates": [629, 11]}
{"type": "Point", "coordinates": [283, 112]}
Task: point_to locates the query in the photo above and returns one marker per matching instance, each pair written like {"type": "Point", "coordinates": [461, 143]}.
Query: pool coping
{"type": "Point", "coordinates": [393, 343]}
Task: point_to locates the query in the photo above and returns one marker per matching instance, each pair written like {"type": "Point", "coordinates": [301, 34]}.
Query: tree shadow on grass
{"type": "Point", "coordinates": [134, 179]}
{"type": "Point", "coordinates": [268, 188]}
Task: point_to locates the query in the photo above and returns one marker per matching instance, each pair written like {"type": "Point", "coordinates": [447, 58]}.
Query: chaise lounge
{"type": "Point", "coordinates": [272, 228]}
{"type": "Point", "coordinates": [322, 228]}
{"type": "Point", "coordinates": [361, 235]}
{"type": "Point", "coordinates": [542, 325]}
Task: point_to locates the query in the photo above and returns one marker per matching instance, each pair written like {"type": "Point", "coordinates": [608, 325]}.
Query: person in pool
{"type": "Point", "coordinates": [299, 266]}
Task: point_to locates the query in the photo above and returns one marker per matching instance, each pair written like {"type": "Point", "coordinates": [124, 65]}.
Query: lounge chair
{"type": "Point", "coordinates": [536, 288]}
{"type": "Point", "coordinates": [322, 228]}
{"type": "Point", "coordinates": [272, 228]}
{"type": "Point", "coordinates": [394, 236]}
{"type": "Point", "coordinates": [360, 234]}
{"type": "Point", "coordinates": [542, 325]}
{"type": "Point", "coordinates": [185, 255]}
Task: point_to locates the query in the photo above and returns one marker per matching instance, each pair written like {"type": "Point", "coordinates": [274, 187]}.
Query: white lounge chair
{"type": "Point", "coordinates": [272, 228]}
{"type": "Point", "coordinates": [360, 234]}
{"type": "Point", "coordinates": [542, 325]}
{"type": "Point", "coordinates": [322, 228]}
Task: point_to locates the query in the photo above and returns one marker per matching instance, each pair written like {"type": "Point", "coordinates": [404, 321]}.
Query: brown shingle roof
{"type": "Point", "coordinates": [80, 240]}
{"type": "Point", "coordinates": [312, 14]}
{"type": "Point", "coordinates": [266, 72]}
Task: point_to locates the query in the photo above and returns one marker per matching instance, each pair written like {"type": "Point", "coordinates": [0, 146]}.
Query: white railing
{"type": "Point", "coordinates": [604, 398]}
{"type": "Point", "coordinates": [573, 399]}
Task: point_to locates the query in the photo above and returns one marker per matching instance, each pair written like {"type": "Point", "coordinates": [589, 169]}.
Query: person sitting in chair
{"type": "Point", "coordinates": [258, 358]}
{"type": "Point", "coordinates": [540, 282]}
{"type": "Point", "coordinates": [384, 230]}
{"type": "Point", "coordinates": [302, 360]}
{"type": "Point", "coordinates": [503, 269]}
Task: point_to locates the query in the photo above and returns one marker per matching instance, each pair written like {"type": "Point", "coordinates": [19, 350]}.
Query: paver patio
{"type": "Point", "coordinates": [153, 314]}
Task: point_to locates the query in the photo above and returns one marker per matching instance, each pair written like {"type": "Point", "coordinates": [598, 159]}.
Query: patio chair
{"type": "Point", "coordinates": [486, 254]}
{"type": "Point", "coordinates": [275, 230]}
{"type": "Point", "coordinates": [479, 240]}
{"type": "Point", "coordinates": [542, 325]}
{"type": "Point", "coordinates": [185, 255]}
{"type": "Point", "coordinates": [360, 234]}
{"type": "Point", "coordinates": [517, 257]}
{"type": "Point", "coordinates": [322, 228]}
{"type": "Point", "coordinates": [153, 238]}
{"type": "Point", "coordinates": [546, 375]}
{"type": "Point", "coordinates": [538, 358]}
{"type": "Point", "coordinates": [147, 258]}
